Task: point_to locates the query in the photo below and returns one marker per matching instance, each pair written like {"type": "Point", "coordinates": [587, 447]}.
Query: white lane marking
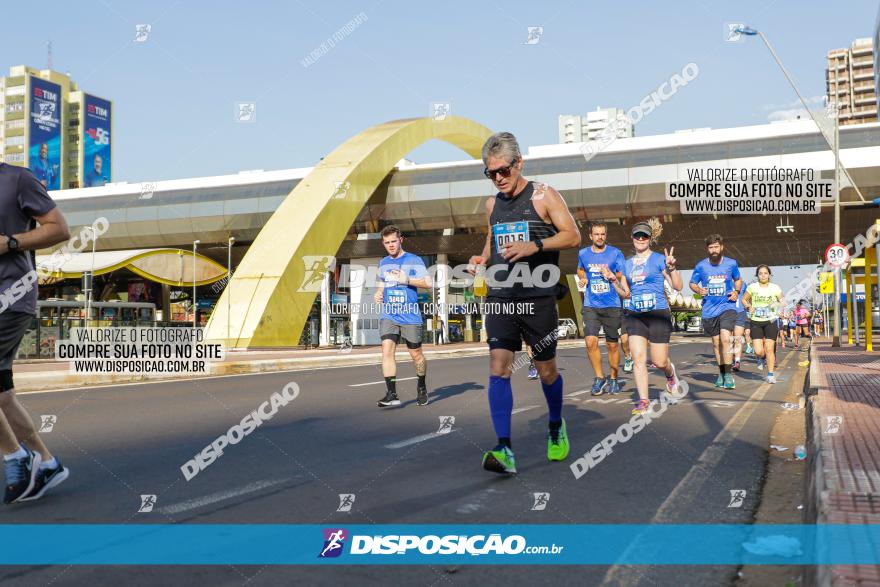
{"type": "Point", "coordinates": [199, 502]}
{"type": "Point", "coordinates": [523, 409]}
{"type": "Point", "coordinates": [581, 392]}
{"type": "Point", "coordinates": [378, 382]}
{"type": "Point", "coordinates": [424, 437]}
{"type": "Point", "coordinates": [417, 439]}
{"type": "Point", "coordinates": [691, 485]}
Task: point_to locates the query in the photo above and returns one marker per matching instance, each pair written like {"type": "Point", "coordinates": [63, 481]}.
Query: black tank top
{"type": "Point", "coordinates": [517, 219]}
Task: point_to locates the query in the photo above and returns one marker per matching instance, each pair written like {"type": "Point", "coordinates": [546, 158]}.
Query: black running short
{"type": "Point", "coordinates": [13, 325]}
{"type": "Point", "coordinates": [655, 325]}
{"type": "Point", "coordinates": [537, 325]}
{"type": "Point", "coordinates": [606, 318]}
{"type": "Point", "coordinates": [723, 321]}
{"type": "Point", "coordinates": [766, 330]}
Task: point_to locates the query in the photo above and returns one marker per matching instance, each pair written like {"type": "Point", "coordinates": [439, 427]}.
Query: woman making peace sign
{"type": "Point", "coordinates": [646, 311]}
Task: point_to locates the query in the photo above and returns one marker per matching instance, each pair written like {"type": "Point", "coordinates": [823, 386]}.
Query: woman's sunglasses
{"type": "Point", "coordinates": [641, 237]}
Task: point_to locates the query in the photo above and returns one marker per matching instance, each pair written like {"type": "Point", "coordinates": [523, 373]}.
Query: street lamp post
{"type": "Point", "coordinates": [195, 304]}
{"type": "Point", "coordinates": [835, 147]}
{"type": "Point", "coordinates": [228, 278]}
{"type": "Point", "coordinates": [91, 276]}
{"type": "Point", "coordinates": [835, 340]}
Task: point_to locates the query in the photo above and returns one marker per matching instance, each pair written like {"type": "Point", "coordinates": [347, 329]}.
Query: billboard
{"type": "Point", "coordinates": [44, 144]}
{"type": "Point", "coordinates": [96, 142]}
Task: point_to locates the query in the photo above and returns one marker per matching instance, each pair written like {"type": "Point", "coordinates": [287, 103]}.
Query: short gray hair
{"type": "Point", "coordinates": [502, 145]}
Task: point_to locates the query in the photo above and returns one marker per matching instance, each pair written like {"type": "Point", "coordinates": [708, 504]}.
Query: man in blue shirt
{"type": "Point", "coordinates": [95, 177]}
{"type": "Point", "coordinates": [718, 281]}
{"type": "Point", "coordinates": [401, 273]}
{"type": "Point", "coordinates": [601, 305]}
{"type": "Point", "coordinates": [45, 172]}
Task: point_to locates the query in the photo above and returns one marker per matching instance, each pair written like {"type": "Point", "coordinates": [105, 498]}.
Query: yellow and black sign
{"type": "Point", "coordinates": [826, 283]}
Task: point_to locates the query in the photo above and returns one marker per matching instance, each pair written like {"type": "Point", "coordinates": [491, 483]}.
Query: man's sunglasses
{"type": "Point", "coordinates": [504, 171]}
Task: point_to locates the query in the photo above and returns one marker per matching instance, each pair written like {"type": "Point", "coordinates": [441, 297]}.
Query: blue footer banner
{"type": "Point", "coordinates": [278, 544]}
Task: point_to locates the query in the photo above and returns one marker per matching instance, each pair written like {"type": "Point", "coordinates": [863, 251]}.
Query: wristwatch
{"type": "Point", "coordinates": [540, 244]}
{"type": "Point", "coordinates": [12, 243]}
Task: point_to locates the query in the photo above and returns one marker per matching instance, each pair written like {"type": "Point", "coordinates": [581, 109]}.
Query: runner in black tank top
{"type": "Point", "coordinates": [528, 224]}
{"type": "Point", "coordinates": [515, 218]}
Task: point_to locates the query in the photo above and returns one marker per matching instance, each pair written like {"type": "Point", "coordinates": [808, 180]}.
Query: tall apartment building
{"type": "Point", "coordinates": [849, 81]}
{"type": "Point", "coordinates": [574, 128]}
{"type": "Point", "coordinates": [51, 127]}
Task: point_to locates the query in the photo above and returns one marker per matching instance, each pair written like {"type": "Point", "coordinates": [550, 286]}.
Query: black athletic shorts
{"type": "Point", "coordinates": [724, 321]}
{"type": "Point", "coordinates": [606, 318]}
{"type": "Point", "coordinates": [13, 326]}
{"type": "Point", "coordinates": [766, 330]}
{"type": "Point", "coordinates": [538, 327]}
{"type": "Point", "coordinates": [655, 325]}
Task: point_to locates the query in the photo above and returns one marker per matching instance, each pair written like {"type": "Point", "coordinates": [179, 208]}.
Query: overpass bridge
{"type": "Point", "coordinates": [439, 206]}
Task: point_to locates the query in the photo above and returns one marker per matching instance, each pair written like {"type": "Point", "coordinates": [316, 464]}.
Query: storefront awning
{"type": "Point", "coordinates": [166, 266]}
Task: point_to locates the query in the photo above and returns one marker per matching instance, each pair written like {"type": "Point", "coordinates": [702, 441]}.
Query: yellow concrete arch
{"type": "Point", "coordinates": [270, 295]}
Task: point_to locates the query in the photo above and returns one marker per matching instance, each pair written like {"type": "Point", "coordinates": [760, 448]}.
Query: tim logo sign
{"type": "Point", "coordinates": [334, 541]}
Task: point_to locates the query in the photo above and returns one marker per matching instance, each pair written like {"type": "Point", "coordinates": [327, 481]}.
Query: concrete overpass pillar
{"type": "Point", "coordinates": [324, 339]}
{"type": "Point", "coordinates": [443, 294]}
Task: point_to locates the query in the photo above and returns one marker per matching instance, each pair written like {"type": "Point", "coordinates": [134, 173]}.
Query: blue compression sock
{"type": "Point", "coordinates": [500, 405]}
{"type": "Point", "coordinates": [553, 394]}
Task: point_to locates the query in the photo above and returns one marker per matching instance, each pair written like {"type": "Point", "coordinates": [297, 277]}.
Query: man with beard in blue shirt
{"type": "Point", "coordinates": [717, 279]}
{"type": "Point", "coordinates": [601, 305]}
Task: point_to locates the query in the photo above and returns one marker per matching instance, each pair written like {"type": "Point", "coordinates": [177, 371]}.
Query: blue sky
{"type": "Point", "coordinates": [174, 94]}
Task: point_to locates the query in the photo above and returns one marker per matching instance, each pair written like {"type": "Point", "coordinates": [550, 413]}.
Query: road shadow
{"type": "Point", "coordinates": [447, 391]}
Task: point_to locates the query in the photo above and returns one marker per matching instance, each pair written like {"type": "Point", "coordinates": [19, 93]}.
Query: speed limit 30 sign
{"type": "Point", "coordinates": [836, 256]}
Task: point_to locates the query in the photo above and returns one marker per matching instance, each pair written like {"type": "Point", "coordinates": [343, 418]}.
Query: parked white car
{"type": "Point", "coordinates": [567, 328]}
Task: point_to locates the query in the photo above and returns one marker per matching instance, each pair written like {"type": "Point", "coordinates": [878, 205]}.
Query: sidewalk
{"type": "Point", "coordinates": [37, 375]}
{"type": "Point", "coordinates": [843, 437]}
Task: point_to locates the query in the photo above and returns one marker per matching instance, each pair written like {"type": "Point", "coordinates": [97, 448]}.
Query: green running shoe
{"type": "Point", "coordinates": [500, 460]}
{"type": "Point", "coordinates": [720, 381]}
{"type": "Point", "coordinates": [557, 448]}
{"type": "Point", "coordinates": [729, 382]}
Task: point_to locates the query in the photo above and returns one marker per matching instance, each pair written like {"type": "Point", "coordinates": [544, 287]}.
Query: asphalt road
{"type": "Point", "coordinates": [125, 441]}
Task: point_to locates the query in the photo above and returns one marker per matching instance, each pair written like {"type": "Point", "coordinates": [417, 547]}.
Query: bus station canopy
{"type": "Point", "coordinates": [167, 266]}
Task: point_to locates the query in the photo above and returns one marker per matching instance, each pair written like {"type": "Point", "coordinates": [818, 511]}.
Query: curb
{"type": "Point", "coordinates": [820, 459]}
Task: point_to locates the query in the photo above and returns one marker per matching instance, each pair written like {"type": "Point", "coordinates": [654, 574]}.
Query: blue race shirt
{"type": "Point", "coordinates": [401, 302]}
{"type": "Point", "coordinates": [718, 279]}
{"type": "Point", "coordinates": [645, 277]}
{"type": "Point", "coordinates": [600, 293]}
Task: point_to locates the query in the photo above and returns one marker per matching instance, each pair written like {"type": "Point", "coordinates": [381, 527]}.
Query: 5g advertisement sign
{"type": "Point", "coordinates": [96, 142]}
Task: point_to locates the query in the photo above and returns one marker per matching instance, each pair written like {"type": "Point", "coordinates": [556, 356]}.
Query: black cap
{"type": "Point", "coordinates": [642, 228]}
